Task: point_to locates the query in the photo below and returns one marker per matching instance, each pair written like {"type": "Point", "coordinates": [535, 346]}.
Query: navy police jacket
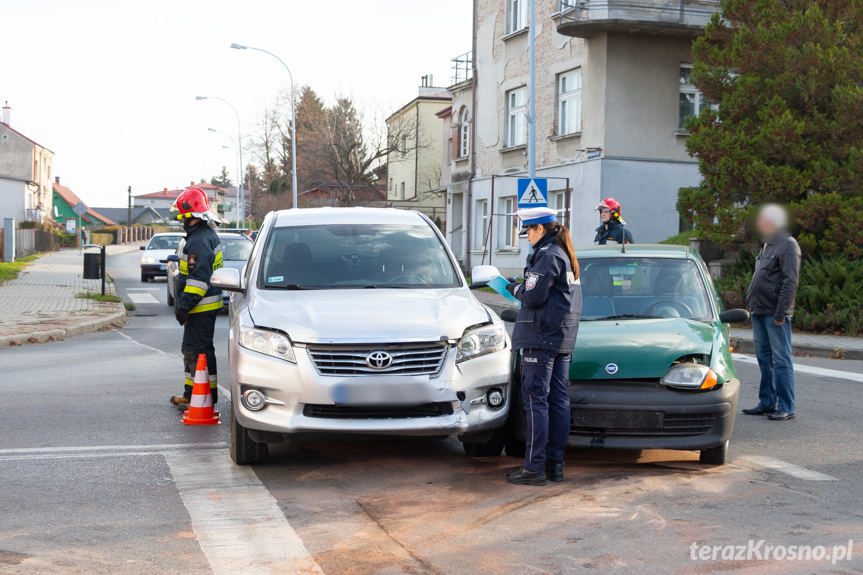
{"type": "Point", "coordinates": [550, 301]}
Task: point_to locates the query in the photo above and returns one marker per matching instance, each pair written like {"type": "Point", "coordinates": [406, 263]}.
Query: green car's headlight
{"type": "Point", "coordinates": [269, 342]}
{"type": "Point", "coordinates": [690, 376]}
{"type": "Point", "coordinates": [480, 341]}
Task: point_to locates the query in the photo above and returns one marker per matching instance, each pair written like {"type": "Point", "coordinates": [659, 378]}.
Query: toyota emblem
{"type": "Point", "coordinates": [379, 360]}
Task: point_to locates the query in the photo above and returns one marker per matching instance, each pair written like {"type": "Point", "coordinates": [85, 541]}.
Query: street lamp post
{"type": "Point", "coordinates": [293, 119]}
{"type": "Point", "coordinates": [242, 207]}
{"type": "Point", "coordinates": [239, 172]}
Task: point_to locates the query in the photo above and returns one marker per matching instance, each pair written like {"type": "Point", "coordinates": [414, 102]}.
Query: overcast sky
{"type": "Point", "coordinates": [110, 86]}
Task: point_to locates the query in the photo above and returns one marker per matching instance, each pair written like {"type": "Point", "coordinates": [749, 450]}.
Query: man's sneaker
{"type": "Point", "coordinates": [525, 477]}
{"type": "Point", "coordinates": [554, 471]}
{"type": "Point", "coordinates": [180, 402]}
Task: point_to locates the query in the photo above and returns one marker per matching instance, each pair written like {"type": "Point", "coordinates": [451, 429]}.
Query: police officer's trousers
{"type": "Point", "coordinates": [544, 382]}
{"type": "Point", "coordinates": [197, 339]}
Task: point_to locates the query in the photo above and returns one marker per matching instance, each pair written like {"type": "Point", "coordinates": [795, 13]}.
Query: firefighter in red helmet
{"type": "Point", "coordinates": [613, 228]}
{"type": "Point", "coordinates": [197, 301]}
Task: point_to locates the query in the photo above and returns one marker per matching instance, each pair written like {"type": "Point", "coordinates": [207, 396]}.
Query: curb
{"type": "Point", "coordinates": [43, 336]}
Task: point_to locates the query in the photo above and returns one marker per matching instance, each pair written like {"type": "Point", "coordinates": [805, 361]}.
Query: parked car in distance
{"type": "Point", "coordinates": [652, 365]}
{"type": "Point", "coordinates": [358, 321]}
{"type": "Point", "coordinates": [235, 253]}
{"type": "Point", "coordinates": [154, 260]}
{"type": "Point", "coordinates": [253, 235]}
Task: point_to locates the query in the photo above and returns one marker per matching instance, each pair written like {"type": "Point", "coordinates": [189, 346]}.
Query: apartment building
{"type": "Point", "coordinates": [612, 90]}
{"type": "Point", "coordinates": [25, 175]}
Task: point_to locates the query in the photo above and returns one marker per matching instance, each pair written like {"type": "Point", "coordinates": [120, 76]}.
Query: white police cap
{"type": "Point", "coordinates": [531, 216]}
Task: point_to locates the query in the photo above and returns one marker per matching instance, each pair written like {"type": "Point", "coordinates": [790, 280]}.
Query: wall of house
{"type": "Point", "coordinates": [420, 167]}
{"type": "Point", "coordinates": [16, 155]}
{"type": "Point", "coordinates": [12, 193]}
{"type": "Point", "coordinates": [43, 163]}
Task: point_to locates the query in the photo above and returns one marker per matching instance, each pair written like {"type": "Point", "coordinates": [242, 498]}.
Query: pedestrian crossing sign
{"type": "Point", "coordinates": [532, 192]}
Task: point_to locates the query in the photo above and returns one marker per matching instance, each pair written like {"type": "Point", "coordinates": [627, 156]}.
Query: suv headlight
{"type": "Point", "coordinates": [148, 260]}
{"type": "Point", "coordinates": [481, 340]}
{"type": "Point", "coordinates": [269, 342]}
{"type": "Point", "coordinates": [690, 376]}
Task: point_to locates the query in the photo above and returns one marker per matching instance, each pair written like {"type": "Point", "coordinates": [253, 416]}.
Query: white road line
{"type": "Point", "coordinates": [239, 524]}
{"type": "Point", "coordinates": [142, 298]}
{"type": "Point", "coordinates": [159, 447]}
{"type": "Point", "coordinates": [810, 369]}
{"type": "Point", "coordinates": [787, 468]}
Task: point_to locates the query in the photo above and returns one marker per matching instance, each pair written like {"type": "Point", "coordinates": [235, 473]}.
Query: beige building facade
{"type": "Point", "coordinates": [612, 94]}
{"type": "Point", "coordinates": [415, 168]}
{"type": "Point", "coordinates": [26, 176]}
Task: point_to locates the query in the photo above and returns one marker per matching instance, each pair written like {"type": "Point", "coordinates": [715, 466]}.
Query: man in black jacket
{"type": "Point", "coordinates": [770, 299]}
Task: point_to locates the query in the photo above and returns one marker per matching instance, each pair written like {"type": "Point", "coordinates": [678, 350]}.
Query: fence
{"type": "Point", "coordinates": [32, 241]}
{"type": "Point", "coordinates": [134, 234]}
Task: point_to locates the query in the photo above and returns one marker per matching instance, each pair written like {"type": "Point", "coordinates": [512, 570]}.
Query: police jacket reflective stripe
{"type": "Point", "coordinates": [550, 301]}
{"type": "Point", "coordinates": [202, 255]}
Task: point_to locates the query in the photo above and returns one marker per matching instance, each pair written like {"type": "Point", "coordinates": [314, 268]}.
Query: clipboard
{"type": "Point", "coordinates": [498, 284]}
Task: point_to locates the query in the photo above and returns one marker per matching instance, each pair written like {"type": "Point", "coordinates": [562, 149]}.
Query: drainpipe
{"type": "Point", "coordinates": [469, 218]}
{"type": "Point", "coordinates": [417, 153]}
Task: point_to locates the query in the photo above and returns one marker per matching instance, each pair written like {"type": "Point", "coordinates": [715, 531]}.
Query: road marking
{"type": "Point", "coordinates": [90, 451]}
{"type": "Point", "coordinates": [810, 369]}
{"type": "Point", "coordinates": [788, 468]}
{"type": "Point", "coordinates": [239, 524]}
{"type": "Point", "coordinates": [142, 298]}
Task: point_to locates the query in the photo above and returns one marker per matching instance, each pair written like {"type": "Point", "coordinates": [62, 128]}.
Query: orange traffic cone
{"type": "Point", "coordinates": [200, 410]}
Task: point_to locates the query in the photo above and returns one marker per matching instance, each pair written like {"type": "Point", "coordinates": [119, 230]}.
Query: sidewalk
{"type": "Point", "coordinates": [40, 305]}
{"type": "Point", "coordinates": [741, 339]}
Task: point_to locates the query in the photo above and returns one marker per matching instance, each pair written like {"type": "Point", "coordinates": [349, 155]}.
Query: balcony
{"type": "Point", "coordinates": [681, 18]}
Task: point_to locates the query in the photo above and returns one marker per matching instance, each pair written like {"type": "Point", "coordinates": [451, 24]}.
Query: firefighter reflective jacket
{"type": "Point", "coordinates": [202, 255]}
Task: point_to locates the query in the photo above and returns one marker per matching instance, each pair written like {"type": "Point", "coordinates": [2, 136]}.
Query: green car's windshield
{"type": "Point", "coordinates": [356, 256]}
{"type": "Point", "coordinates": [643, 288]}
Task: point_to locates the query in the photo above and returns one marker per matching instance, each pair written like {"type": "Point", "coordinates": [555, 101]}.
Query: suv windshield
{"type": "Point", "coordinates": [346, 256]}
{"type": "Point", "coordinates": [643, 288]}
{"type": "Point", "coordinates": [236, 249]}
{"type": "Point", "coordinates": [164, 242]}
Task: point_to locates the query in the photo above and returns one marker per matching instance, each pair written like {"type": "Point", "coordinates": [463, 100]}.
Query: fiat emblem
{"type": "Point", "coordinates": [611, 368]}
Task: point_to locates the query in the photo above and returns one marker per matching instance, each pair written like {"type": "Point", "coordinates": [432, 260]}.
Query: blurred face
{"type": "Point", "coordinates": [535, 233]}
{"type": "Point", "coordinates": [605, 215]}
{"type": "Point", "coordinates": [766, 227]}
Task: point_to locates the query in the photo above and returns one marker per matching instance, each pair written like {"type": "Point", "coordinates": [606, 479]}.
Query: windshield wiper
{"type": "Point", "coordinates": [287, 286]}
{"type": "Point", "coordinates": [627, 316]}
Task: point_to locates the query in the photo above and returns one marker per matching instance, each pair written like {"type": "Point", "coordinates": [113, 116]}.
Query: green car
{"type": "Point", "coordinates": [652, 364]}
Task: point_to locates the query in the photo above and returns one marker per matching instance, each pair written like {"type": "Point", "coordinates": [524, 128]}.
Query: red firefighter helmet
{"type": "Point", "coordinates": [193, 203]}
{"type": "Point", "coordinates": [610, 204]}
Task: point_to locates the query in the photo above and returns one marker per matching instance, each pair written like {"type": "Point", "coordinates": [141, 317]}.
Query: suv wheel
{"type": "Point", "coordinates": [144, 277]}
{"type": "Point", "coordinates": [170, 297]}
{"type": "Point", "coordinates": [491, 448]}
{"type": "Point", "coordinates": [244, 451]}
{"type": "Point", "coordinates": [714, 455]}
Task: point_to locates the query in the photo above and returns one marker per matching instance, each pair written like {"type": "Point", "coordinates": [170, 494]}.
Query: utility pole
{"type": "Point", "coordinates": [531, 118]}
{"type": "Point", "coordinates": [129, 213]}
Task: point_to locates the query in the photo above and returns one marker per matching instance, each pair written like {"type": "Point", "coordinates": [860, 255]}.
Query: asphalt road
{"type": "Point", "coordinates": [98, 475]}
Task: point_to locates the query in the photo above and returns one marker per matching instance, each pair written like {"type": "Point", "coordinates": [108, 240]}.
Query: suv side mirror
{"type": "Point", "coordinates": [173, 258]}
{"type": "Point", "coordinates": [734, 316]}
{"type": "Point", "coordinates": [509, 315]}
{"type": "Point", "coordinates": [142, 248]}
{"type": "Point", "coordinates": [481, 275]}
{"type": "Point", "coordinates": [226, 279]}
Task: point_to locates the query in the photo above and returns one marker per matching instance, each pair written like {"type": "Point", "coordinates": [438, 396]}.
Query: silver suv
{"type": "Point", "coordinates": [359, 321]}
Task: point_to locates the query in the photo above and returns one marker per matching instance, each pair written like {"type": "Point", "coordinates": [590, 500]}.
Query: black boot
{"type": "Point", "coordinates": [554, 471]}
{"type": "Point", "coordinates": [525, 477]}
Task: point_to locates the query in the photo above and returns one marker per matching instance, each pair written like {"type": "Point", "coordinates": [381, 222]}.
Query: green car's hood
{"type": "Point", "coordinates": [639, 348]}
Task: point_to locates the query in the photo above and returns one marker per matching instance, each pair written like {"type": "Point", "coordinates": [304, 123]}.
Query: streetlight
{"type": "Point", "coordinates": [293, 118]}
{"type": "Point", "coordinates": [239, 172]}
{"type": "Point", "coordinates": [242, 192]}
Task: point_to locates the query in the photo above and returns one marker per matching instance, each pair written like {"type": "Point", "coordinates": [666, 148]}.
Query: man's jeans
{"type": "Point", "coordinates": [773, 350]}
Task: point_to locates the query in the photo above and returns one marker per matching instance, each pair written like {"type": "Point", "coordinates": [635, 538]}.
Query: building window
{"type": "Point", "coordinates": [510, 227]}
{"type": "Point", "coordinates": [404, 146]}
{"type": "Point", "coordinates": [402, 191]}
{"type": "Point", "coordinates": [463, 133]}
{"type": "Point", "coordinates": [516, 118]}
{"type": "Point", "coordinates": [481, 223]}
{"type": "Point", "coordinates": [692, 101]}
{"type": "Point", "coordinates": [569, 102]}
{"type": "Point", "coordinates": [516, 15]}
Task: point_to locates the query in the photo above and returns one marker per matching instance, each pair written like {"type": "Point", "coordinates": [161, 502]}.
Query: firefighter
{"type": "Point", "coordinates": [198, 302]}
{"type": "Point", "coordinates": [545, 331]}
{"type": "Point", "coordinates": [613, 227]}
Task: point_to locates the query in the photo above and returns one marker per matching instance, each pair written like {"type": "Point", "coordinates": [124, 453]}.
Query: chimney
{"type": "Point", "coordinates": [57, 179]}
{"type": "Point", "coordinates": [7, 113]}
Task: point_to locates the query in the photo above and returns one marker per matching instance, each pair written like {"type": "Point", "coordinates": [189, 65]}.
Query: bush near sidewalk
{"type": "Point", "coordinates": [828, 299]}
{"type": "Point", "coordinates": [10, 270]}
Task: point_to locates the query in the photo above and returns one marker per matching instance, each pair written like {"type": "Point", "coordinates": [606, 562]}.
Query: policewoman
{"type": "Point", "coordinates": [545, 331]}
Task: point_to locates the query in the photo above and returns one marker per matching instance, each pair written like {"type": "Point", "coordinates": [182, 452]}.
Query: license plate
{"type": "Point", "coordinates": [381, 394]}
{"type": "Point", "coordinates": [162, 267]}
{"type": "Point", "coordinates": [616, 419]}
